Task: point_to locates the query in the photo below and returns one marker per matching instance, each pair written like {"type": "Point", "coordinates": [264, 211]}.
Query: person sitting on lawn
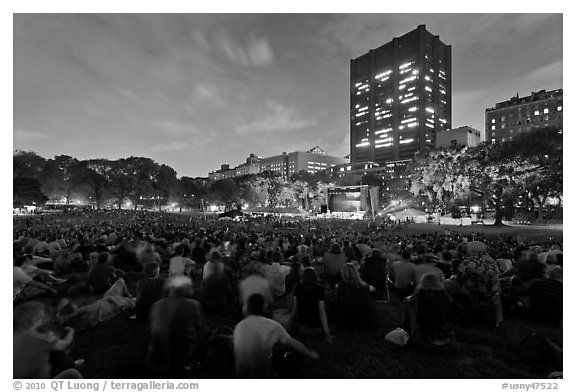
{"type": "Point", "coordinates": [309, 305]}
{"type": "Point", "coordinates": [544, 297]}
{"type": "Point", "coordinates": [148, 291]}
{"type": "Point", "coordinates": [354, 304]}
{"type": "Point", "coordinates": [255, 338]}
{"type": "Point", "coordinates": [374, 271]}
{"type": "Point", "coordinates": [26, 288]}
{"type": "Point", "coordinates": [101, 275]}
{"type": "Point", "coordinates": [333, 261]}
{"type": "Point", "coordinates": [116, 300]}
{"type": "Point", "coordinates": [429, 317]}
{"type": "Point", "coordinates": [33, 343]}
{"type": "Point", "coordinates": [403, 275]}
{"type": "Point", "coordinates": [178, 328]}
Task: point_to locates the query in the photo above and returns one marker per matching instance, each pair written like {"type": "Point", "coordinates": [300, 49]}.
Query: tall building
{"type": "Point", "coordinates": [400, 96]}
{"type": "Point", "coordinates": [523, 114]}
{"type": "Point", "coordinates": [462, 136]}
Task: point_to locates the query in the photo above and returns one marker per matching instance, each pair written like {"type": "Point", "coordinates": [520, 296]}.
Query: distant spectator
{"type": "Point", "coordinates": [148, 291]}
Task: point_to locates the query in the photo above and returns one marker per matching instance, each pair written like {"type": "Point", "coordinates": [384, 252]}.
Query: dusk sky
{"type": "Point", "coordinates": [195, 91]}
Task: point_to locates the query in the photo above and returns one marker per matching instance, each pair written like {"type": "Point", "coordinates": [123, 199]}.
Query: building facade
{"type": "Point", "coordinates": [462, 136]}
{"type": "Point", "coordinates": [285, 164]}
{"type": "Point", "coordinates": [400, 97]}
{"type": "Point", "coordinates": [523, 114]}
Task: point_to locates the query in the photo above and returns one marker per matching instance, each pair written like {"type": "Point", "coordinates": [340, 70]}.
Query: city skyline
{"type": "Point", "coordinates": [196, 91]}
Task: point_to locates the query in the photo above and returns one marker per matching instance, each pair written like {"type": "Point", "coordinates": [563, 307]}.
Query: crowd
{"type": "Point", "coordinates": [285, 279]}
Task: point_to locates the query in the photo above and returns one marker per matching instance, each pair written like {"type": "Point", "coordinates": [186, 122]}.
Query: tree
{"type": "Point", "coordinates": [94, 174]}
{"type": "Point", "coordinates": [225, 191]}
{"type": "Point", "coordinates": [27, 164]}
{"type": "Point", "coordinates": [61, 177]}
{"type": "Point", "coordinates": [26, 191]}
{"type": "Point", "coordinates": [166, 182]}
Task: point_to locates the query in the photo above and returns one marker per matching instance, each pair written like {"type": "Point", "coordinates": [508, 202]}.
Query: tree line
{"type": "Point", "coordinates": [511, 178]}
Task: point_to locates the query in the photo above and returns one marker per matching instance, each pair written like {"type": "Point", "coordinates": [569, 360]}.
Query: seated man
{"type": "Point", "coordinates": [115, 301]}
{"type": "Point", "coordinates": [25, 287]}
{"type": "Point", "coordinates": [254, 340]}
{"type": "Point", "coordinates": [544, 297]}
{"type": "Point", "coordinates": [178, 328]}
{"type": "Point", "coordinates": [148, 291]}
{"type": "Point", "coordinates": [33, 343]}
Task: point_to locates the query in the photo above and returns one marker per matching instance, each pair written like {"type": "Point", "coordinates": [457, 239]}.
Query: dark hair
{"type": "Point", "coordinates": [150, 269]}
{"type": "Point", "coordinates": [335, 249]}
{"type": "Point", "coordinates": [406, 254]}
{"type": "Point", "coordinates": [103, 257]}
{"type": "Point", "coordinates": [255, 305]}
{"type": "Point", "coordinates": [18, 261]}
{"type": "Point", "coordinates": [309, 276]}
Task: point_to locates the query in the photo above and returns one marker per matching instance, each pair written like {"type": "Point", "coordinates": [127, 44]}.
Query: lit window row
{"type": "Point", "coordinates": [427, 88]}
{"type": "Point", "coordinates": [409, 99]}
{"type": "Point", "coordinates": [406, 141]}
{"type": "Point", "coordinates": [384, 74]}
{"type": "Point", "coordinates": [429, 125]}
{"type": "Point", "coordinates": [385, 130]}
{"type": "Point", "coordinates": [390, 100]}
{"type": "Point", "coordinates": [380, 141]}
{"type": "Point", "coordinates": [363, 87]}
{"type": "Point", "coordinates": [428, 78]}
{"type": "Point", "coordinates": [363, 144]}
{"type": "Point", "coordinates": [412, 125]}
{"type": "Point", "coordinates": [405, 71]}
{"type": "Point", "coordinates": [443, 121]}
{"type": "Point", "coordinates": [408, 120]}
{"type": "Point", "coordinates": [430, 110]}
{"type": "Point", "coordinates": [406, 65]}
{"type": "Point", "coordinates": [384, 145]}
{"type": "Point", "coordinates": [443, 92]}
{"type": "Point", "coordinates": [412, 88]}
{"type": "Point", "coordinates": [411, 78]}
{"type": "Point", "coordinates": [413, 109]}
{"type": "Point", "coordinates": [430, 120]}
{"type": "Point", "coordinates": [361, 114]}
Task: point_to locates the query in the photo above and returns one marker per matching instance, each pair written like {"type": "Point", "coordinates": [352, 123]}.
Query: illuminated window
{"type": "Point", "coordinates": [545, 110]}
{"type": "Point", "coordinates": [536, 112]}
{"type": "Point", "coordinates": [413, 109]}
{"type": "Point", "coordinates": [493, 127]}
{"type": "Point", "coordinates": [430, 110]}
{"type": "Point", "coordinates": [389, 100]}
{"type": "Point", "coordinates": [406, 141]}
{"type": "Point", "coordinates": [493, 120]}
{"type": "Point", "coordinates": [428, 89]}
{"type": "Point", "coordinates": [559, 108]}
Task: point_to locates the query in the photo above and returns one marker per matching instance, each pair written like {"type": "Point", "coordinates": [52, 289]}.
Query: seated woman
{"type": "Point", "coordinates": [355, 307]}
{"type": "Point", "coordinates": [429, 317]}
{"type": "Point", "coordinates": [308, 306]}
{"type": "Point", "coordinates": [333, 261]}
{"type": "Point", "coordinates": [217, 290]}
{"type": "Point", "coordinates": [34, 344]}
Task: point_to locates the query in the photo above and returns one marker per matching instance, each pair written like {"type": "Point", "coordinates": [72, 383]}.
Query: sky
{"type": "Point", "coordinates": [195, 91]}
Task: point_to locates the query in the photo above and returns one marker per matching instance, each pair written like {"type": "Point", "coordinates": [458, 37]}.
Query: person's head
{"type": "Point", "coordinates": [475, 248]}
{"type": "Point", "coordinates": [179, 251]}
{"type": "Point", "coordinates": [296, 268]}
{"type": "Point", "coordinates": [309, 276]}
{"type": "Point", "coordinates": [335, 249]}
{"type": "Point", "coordinates": [152, 270]}
{"type": "Point", "coordinates": [377, 254]}
{"type": "Point", "coordinates": [555, 273]}
{"type": "Point", "coordinates": [19, 261]}
{"type": "Point", "coordinates": [430, 282]}
{"type": "Point", "coordinates": [255, 305]}
{"type": "Point", "coordinates": [29, 316]}
{"type": "Point", "coordinates": [179, 286]}
{"type": "Point", "coordinates": [350, 275]}
{"type": "Point", "coordinates": [93, 257]}
{"type": "Point", "coordinates": [103, 258]}
{"type": "Point", "coordinates": [406, 255]}
{"type": "Point", "coordinates": [216, 257]}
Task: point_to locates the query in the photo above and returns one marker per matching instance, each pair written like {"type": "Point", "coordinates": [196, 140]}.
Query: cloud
{"type": "Point", "coordinates": [176, 128]}
{"type": "Point", "coordinates": [22, 135]}
{"type": "Point", "coordinates": [277, 117]}
{"type": "Point", "coordinates": [204, 92]}
{"type": "Point", "coordinates": [256, 53]}
{"type": "Point", "coordinates": [171, 147]}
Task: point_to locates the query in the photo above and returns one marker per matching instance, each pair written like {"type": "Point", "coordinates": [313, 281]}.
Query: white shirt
{"type": "Point", "coordinates": [276, 275]}
{"type": "Point", "coordinates": [254, 339]}
{"type": "Point", "coordinates": [178, 265]}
